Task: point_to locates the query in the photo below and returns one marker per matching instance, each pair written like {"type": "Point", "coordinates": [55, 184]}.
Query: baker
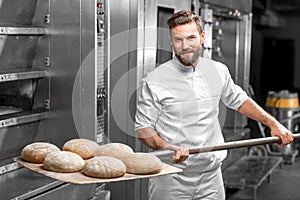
{"type": "Point", "coordinates": [178, 108]}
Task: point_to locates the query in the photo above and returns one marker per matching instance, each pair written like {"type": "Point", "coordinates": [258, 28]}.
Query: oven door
{"type": "Point", "coordinates": [153, 35]}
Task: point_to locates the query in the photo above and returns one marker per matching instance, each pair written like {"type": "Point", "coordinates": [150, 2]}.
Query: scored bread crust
{"type": "Point", "coordinates": [63, 161]}
{"type": "Point", "coordinates": [142, 163]}
{"type": "Point", "coordinates": [104, 167]}
{"type": "Point", "coordinates": [83, 147]}
{"type": "Point", "coordinates": [37, 151]}
{"type": "Point", "coordinates": [116, 150]}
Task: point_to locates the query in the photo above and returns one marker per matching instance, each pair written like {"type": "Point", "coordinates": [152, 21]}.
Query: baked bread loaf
{"type": "Point", "coordinates": [83, 147]}
{"type": "Point", "coordinates": [36, 152]}
{"type": "Point", "coordinates": [104, 167]}
{"type": "Point", "coordinates": [63, 161]}
{"type": "Point", "coordinates": [116, 150]}
{"type": "Point", "coordinates": [142, 163]}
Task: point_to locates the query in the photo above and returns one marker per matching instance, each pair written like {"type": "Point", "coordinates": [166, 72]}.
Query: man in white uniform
{"type": "Point", "coordinates": [178, 108]}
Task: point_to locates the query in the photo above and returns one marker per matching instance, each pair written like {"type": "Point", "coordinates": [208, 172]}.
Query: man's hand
{"type": "Point", "coordinates": [180, 153]}
{"type": "Point", "coordinates": [285, 135]}
{"type": "Point", "coordinates": [252, 110]}
{"type": "Point", "coordinates": [151, 138]}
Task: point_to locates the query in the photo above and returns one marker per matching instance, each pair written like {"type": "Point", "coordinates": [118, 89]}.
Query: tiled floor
{"type": "Point", "coordinates": [285, 185]}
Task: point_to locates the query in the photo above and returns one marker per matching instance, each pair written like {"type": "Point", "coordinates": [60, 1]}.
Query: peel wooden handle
{"type": "Point", "coordinates": [227, 145]}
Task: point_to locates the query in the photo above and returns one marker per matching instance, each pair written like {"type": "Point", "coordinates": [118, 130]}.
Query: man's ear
{"type": "Point", "coordinates": [202, 37]}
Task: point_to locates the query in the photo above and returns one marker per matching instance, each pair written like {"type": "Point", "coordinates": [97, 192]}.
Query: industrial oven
{"type": "Point", "coordinates": [71, 69]}
{"type": "Point", "coordinates": [53, 87]}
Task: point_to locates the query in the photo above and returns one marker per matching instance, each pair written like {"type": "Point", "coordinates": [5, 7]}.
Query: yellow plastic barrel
{"type": "Point", "coordinates": [282, 100]}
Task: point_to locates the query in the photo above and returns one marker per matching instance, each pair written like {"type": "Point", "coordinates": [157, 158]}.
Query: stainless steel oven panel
{"type": "Point", "coordinates": [68, 191]}
{"type": "Point", "coordinates": [17, 51]}
{"type": "Point", "coordinates": [14, 138]}
{"type": "Point", "coordinates": [18, 12]}
{"type": "Point", "coordinates": [72, 71]}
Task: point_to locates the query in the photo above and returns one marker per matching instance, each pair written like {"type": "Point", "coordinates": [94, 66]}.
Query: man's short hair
{"type": "Point", "coordinates": [184, 17]}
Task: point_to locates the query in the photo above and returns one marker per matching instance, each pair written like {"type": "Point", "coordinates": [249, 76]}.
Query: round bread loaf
{"type": "Point", "coordinates": [83, 147]}
{"type": "Point", "coordinates": [104, 167]}
{"type": "Point", "coordinates": [142, 163]}
{"type": "Point", "coordinates": [63, 161]}
{"type": "Point", "coordinates": [116, 150]}
{"type": "Point", "coordinates": [36, 152]}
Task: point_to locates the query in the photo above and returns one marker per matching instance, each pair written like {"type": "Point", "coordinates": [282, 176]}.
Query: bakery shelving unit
{"type": "Point", "coordinates": [20, 113]}
{"type": "Point", "coordinates": [47, 61]}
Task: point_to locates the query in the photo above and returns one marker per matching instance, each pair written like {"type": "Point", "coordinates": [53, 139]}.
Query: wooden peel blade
{"type": "Point", "coordinates": [225, 146]}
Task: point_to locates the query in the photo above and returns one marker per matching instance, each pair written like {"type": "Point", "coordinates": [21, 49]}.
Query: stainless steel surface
{"type": "Point", "coordinates": [68, 191]}
{"type": "Point", "coordinates": [4, 110]}
{"type": "Point", "coordinates": [21, 75]}
{"type": "Point", "coordinates": [21, 118]}
{"type": "Point", "coordinates": [17, 12]}
{"type": "Point", "coordinates": [23, 184]}
{"type": "Point", "coordinates": [207, 20]}
{"type": "Point", "coordinates": [19, 82]}
{"type": "Point", "coordinates": [22, 31]}
{"type": "Point", "coordinates": [9, 167]}
{"type": "Point", "coordinates": [46, 48]}
{"type": "Point", "coordinates": [19, 47]}
{"type": "Point", "coordinates": [87, 71]}
{"type": "Point", "coordinates": [14, 138]}
{"type": "Point", "coordinates": [72, 57]}
{"type": "Point", "coordinates": [244, 6]}
{"type": "Point", "coordinates": [250, 172]}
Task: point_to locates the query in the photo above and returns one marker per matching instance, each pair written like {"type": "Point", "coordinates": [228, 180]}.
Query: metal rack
{"type": "Point", "coordinates": [20, 75]}
{"type": "Point", "coordinates": [42, 53]}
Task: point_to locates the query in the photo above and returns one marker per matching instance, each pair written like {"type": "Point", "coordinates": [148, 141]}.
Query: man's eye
{"type": "Point", "coordinates": [191, 38]}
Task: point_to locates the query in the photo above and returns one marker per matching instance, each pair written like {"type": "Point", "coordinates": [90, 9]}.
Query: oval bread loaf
{"type": "Point", "coordinates": [142, 163]}
{"type": "Point", "coordinates": [104, 167]}
{"type": "Point", "coordinates": [36, 152]}
{"type": "Point", "coordinates": [63, 161]}
{"type": "Point", "coordinates": [116, 150]}
{"type": "Point", "coordinates": [83, 147]}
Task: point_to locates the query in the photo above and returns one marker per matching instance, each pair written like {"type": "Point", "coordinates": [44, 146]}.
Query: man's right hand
{"type": "Point", "coordinates": [180, 154]}
{"type": "Point", "coordinates": [151, 138]}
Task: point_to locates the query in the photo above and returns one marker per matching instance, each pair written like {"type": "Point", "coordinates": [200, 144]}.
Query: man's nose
{"type": "Point", "coordinates": [185, 44]}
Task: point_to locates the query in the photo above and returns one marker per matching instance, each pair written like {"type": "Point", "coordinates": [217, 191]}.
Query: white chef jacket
{"type": "Point", "coordinates": [182, 106]}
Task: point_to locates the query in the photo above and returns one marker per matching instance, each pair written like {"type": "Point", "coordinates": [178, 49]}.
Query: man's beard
{"type": "Point", "coordinates": [187, 61]}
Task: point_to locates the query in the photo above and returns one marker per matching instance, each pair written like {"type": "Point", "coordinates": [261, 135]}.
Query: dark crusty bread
{"type": "Point", "coordinates": [36, 152]}
{"type": "Point", "coordinates": [63, 161]}
{"type": "Point", "coordinates": [104, 167]}
{"type": "Point", "coordinates": [83, 147]}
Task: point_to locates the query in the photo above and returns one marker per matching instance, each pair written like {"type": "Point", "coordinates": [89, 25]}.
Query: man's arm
{"type": "Point", "coordinates": [254, 111]}
{"type": "Point", "coordinates": [151, 138]}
